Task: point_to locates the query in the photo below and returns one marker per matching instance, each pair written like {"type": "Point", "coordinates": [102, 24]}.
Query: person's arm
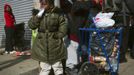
{"type": "Point", "coordinates": [34, 22]}
{"type": "Point", "coordinates": [62, 28]}
{"type": "Point", "coordinates": [14, 20]}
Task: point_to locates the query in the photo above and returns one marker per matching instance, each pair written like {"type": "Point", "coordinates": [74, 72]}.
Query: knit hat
{"type": "Point", "coordinates": [56, 3]}
{"type": "Point", "coordinates": [49, 1]}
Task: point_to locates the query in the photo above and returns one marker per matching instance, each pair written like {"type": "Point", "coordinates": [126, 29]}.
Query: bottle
{"type": "Point", "coordinates": [114, 63]}
{"type": "Point", "coordinates": [107, 67]}
{"type": "Point", "coordinates": [99, 58]}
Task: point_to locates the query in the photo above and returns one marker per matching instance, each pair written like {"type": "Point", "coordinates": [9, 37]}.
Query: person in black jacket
{"type": "Point", "coordinates": [131, 38]}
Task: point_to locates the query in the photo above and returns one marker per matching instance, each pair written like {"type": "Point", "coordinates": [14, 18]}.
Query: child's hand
{"type": "Point", "coordinates": [41, 12]}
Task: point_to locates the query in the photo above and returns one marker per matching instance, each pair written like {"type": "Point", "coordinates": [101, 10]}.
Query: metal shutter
{"type": "Point", "coordinates": [22, 11]}
{"type": "Point", "coordinates": [2, 32]}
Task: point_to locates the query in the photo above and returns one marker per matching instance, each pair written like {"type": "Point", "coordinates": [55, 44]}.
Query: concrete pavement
{"type": "Point", "coordinates": [24, 65]}
{"type": "Point", "coordinates": [128, 67]}
{"type": "Point", "coordinates": [17, 65]}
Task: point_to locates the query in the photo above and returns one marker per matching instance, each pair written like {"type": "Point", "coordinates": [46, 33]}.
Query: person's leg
{"type": "Point", "coordinates": [132, 51]}
{"type": "Point", "coordinates": [58, 68]}
{"type": "Point", "coordinates": [9, 39]}
{"type": "Point", "coordinates": [125, 39]}
{"type": "Point", "coordinates": [64, 66]}
{"type": "Point", "coordinates": [132, 43]}
{"type": "Point", "coordinates": [45, 68]}
{"type": "Point", "coordinates": [124, 45]}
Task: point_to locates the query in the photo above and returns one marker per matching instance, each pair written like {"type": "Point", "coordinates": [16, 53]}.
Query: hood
{"type": "Point", "coordinates": [57, 10]}
{"type": "Point", "coordinates": [5, 6]}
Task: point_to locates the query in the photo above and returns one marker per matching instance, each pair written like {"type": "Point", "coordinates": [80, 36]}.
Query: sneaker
{"type": "Point", "coordinates": [6, 52]}
{"type": "Point", "coordinates": [9, 52]}
{"type": "Point", "coordinates": [12, 52]}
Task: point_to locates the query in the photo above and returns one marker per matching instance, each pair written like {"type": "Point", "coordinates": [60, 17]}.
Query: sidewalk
{"type": "Point", "coordinates": [24, 65]}
{"type": "Point", "coordinates": [127, 68]}
{"type": "Point", "coordinates": [17, 65]}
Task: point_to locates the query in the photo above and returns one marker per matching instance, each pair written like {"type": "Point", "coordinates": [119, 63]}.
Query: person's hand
{"type": "Point", "coordinates": [41, 12]}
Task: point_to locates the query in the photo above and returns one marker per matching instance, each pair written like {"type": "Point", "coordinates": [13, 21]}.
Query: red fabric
{"type": "Point", "coordinates": [73, 37]}
{"type": "Point", "coordinates": [100, 1]}
{"type": "Point", "coordinates": [9, 18]}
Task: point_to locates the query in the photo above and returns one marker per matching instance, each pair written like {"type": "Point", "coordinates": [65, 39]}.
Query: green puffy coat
{"type": "Point", "coordinates": [49, 45]}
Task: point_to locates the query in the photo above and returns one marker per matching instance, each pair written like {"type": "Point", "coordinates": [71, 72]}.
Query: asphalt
{"type": "Point", "coordinates": [10, 64]}
{"type": "Point", "coordinates": [17, 65]}
{"type": "Point", "coordinates": [127, 68]}
{"type": "Point", "coordinates": [24, 65]}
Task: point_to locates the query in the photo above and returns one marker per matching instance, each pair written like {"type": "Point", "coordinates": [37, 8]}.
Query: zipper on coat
{"type": "Point", "coordinates": [46, 16]}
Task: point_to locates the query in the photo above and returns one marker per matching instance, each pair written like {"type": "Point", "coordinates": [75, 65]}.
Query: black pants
{"type": "Point", "coordinates": [9, 39]}
{"type": "Point", "coordinates": [125, 35]}
{"type": "Point", "coordinates": [131, 41]}
{"type": "Point", "coordinates": [124, 44]}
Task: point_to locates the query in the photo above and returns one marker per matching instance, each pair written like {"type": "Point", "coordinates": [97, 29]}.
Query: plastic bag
{"type": "Point", "coordinates": [103, 20]}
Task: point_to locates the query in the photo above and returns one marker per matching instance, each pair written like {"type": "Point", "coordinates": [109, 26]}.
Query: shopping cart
{"type": "Point", "coordinates": [103, 50]}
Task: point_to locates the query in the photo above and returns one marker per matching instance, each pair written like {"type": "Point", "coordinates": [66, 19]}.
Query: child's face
{"type": "Point", "coordinates": [45, 4]}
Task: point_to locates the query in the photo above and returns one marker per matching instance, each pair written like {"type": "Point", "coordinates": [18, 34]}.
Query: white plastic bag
{"type": "Point", "coordinates": [104, 15]}
{"type": "Point", "coordinates": [103, 20]}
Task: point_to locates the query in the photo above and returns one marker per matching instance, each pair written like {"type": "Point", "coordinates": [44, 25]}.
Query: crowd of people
{"type": "Point", "coordinates": [56, 38]}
